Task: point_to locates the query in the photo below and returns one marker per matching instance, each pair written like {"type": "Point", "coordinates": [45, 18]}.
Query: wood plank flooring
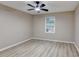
{"type": "Point", "coordinates": [41, 48]}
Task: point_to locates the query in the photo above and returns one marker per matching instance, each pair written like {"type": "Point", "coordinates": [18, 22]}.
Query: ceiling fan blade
{"type": "Point", "coordinates": [30, 5]}
{"type": "Point", "coordinates": [44, 9]}
{"type": "Point", "coordinates": [37, 2]}
{"type": "Point", "coordinates": [30, 9]}
{"type": "Point", "coordinates": [42, 5]}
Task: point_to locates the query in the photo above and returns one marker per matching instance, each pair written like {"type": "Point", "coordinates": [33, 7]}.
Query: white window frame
{"type": "Point", "coordinates": [46, 24]}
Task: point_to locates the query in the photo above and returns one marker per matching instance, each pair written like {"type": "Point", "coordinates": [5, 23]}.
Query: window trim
{"type": "Point", "coordinates": [45, 24]}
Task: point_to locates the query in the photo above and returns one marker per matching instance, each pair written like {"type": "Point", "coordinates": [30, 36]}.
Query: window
{"type": "Point", "coordinates": [50, 24]}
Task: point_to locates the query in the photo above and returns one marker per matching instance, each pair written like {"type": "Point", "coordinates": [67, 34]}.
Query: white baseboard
{"type": "Point", "coordinates": [50, 40]}
{"type": "Point", "coordinates": [76, 46]}
{"type": "Point", "coordinates": [2, 49]}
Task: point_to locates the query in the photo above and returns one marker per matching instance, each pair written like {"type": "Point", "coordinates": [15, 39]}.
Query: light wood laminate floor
{"type": "Point", "coordinates": [41, 48]}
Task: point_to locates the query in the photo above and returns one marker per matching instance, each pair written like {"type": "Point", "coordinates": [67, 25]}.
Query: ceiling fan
{"type": "Point", "coordinates": [38, 7]}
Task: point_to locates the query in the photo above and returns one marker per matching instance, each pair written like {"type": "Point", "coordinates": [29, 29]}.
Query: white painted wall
{"type": "Point", "coordinates": [77, 26]}
{"type": "Point", "coordinates": [64, 27]}
{"type": "Point", "coordinates": [15, 26]}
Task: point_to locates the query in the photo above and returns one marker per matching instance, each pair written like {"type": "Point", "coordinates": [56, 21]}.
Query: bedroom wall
{"type": "Point", "coordinates": [64, 27]}
{"type": "Point", "coordinates": [77, 26]}
{"type": "Point", "coordinates": [15, 26]}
